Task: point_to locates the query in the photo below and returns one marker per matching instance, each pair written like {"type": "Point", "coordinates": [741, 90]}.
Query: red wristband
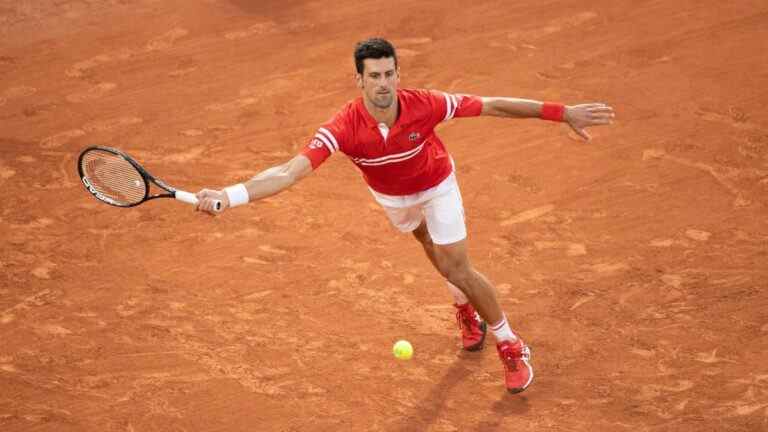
{"type": "Point", "coordinates": [552, 111]}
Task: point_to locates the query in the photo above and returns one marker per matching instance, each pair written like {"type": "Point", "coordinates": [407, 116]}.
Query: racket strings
{"type": "Point", "coordinates": [113, 177]}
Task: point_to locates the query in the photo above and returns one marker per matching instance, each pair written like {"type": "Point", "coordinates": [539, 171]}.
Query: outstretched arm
{"type": "Point", "coordinates": [266, 183]}
{"type": "Point", "coordinates": [578, 117]}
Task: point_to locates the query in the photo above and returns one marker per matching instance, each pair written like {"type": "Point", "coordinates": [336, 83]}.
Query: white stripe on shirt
{"type": "Point", "coordinates": [325, 141]}
{"type": "Point", "coordinates": [455, 105]}
{"type": "Point", "coordinates": [448, 109]}
{"type": "Point", "coordinates": [398, 157]}
{"type": "Point", "coordinates": [330, 136]}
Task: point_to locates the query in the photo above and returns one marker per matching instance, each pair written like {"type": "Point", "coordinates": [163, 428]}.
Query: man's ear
{"type": "Point", "coordinates": [359, 80]}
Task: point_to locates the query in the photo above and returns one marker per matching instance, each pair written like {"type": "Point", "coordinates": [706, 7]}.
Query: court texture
{"type": "Point", "coordinates": [634, 265]}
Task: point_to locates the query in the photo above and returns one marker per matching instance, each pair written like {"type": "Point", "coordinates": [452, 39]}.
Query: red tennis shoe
{"type": "Point", "coordinates": [516, 357]}
{"type": "Point", "coordinates": [473, 328]}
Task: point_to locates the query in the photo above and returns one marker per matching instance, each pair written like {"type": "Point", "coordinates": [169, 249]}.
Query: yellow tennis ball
{"type": "Point", "coordinates": [403, 350]}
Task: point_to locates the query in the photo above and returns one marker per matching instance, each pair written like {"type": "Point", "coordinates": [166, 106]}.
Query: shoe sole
{"type": "Point", "coordinates": [478, 346]}
{"type": "Point", "coordinates": [520, 390]}
{"type": "Point", "coordinates": [516, 391]}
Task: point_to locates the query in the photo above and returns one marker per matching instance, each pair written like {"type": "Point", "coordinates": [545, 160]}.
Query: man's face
{"type": "Point", "coordinates": [379, 81]}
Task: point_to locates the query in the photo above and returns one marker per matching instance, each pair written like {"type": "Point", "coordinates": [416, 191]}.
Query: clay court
{"type": "Point", "coordinates": [634, 265]}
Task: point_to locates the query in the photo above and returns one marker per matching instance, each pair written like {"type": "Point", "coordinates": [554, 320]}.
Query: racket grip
{"type": "Point", "coordinates": [190, 198]}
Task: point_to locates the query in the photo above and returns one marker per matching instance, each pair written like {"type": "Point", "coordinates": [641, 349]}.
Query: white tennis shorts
{"type": "Point", "coordinates": [440, 206]}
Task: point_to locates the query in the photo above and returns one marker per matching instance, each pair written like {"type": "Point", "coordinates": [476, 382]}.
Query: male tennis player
{"type": "Point", "coordinates": [389, 134]}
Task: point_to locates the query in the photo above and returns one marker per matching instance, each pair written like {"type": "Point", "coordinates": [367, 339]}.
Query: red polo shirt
{"type": "Point", "coordinates": [411, 158]}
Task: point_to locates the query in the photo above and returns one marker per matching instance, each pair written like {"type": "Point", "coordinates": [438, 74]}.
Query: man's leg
{"type": "Point", "coordinates": [473, 328]}
{"type": "Point", "coordinates": [423, 237]}
{"type": "Point", "coordinates": [444, 217]}
{"type": "Point", "coordinates": [453, 263]}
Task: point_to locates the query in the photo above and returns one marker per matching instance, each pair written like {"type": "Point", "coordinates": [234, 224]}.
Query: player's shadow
{"type": "Point", "coordinates": [508, 404]}
{"type": "Point", "coordinates": [427, 411]}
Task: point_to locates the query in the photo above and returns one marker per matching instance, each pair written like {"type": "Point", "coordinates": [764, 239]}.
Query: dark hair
{"type": "Point", "coordinates": [374, 48]}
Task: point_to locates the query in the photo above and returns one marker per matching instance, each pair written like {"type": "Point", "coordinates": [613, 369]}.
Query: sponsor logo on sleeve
{"type": "Point", "coordinates": [315, 144]}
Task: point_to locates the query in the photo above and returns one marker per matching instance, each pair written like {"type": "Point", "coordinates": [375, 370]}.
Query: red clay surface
{"type": "Point", "coordinates": [634, 265]}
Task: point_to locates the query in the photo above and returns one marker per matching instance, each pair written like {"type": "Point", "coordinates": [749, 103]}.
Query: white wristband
{"type": "Point", "coordinates": [237, 194]}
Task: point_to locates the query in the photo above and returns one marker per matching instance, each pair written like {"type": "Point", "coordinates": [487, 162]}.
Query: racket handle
{"type": "Point", "coordinates": [190, 198]}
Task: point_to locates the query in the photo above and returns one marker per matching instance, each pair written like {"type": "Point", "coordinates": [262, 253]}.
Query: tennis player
{"type": "Point", "coordinates": [388, 133]}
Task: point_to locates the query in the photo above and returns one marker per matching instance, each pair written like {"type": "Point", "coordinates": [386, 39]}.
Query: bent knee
{"type": "Point", "coordinates": [457, 272]}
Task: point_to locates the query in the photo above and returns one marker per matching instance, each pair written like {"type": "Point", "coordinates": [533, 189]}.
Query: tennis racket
{"type": "Point", "coordinates": [117, 179]}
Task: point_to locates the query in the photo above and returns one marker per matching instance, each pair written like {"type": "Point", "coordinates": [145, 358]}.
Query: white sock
{"type": "Point", "coordinates": [502, 331]}
{"type": "Point", "coordinates": [458, 297]}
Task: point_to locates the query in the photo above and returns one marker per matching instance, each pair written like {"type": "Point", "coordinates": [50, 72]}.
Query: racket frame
{"type": "Point", "coordinates": [142, 172]}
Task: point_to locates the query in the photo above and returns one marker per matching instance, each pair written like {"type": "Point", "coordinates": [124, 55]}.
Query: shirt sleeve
{"type": "Point", "coordinates": [450, 105]}
{"type": "Point", "coordinates": [325, 142]}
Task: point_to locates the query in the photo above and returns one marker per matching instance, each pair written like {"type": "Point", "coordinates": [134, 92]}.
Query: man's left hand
{"type": "Point", "coordinates": [582, 116]}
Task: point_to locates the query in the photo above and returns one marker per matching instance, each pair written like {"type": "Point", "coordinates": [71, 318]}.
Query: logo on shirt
{"type": "Point", "coordinates": [414, 136]}
{"type": "Point", "coordinates": [315, 144]}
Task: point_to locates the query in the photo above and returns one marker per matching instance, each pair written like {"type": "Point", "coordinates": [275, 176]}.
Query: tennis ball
{"type": "Point", "coordinates": [403, 350]}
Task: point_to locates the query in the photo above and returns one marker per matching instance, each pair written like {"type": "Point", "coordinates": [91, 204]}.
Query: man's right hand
{"type": "Point", "coordinates": [207, 199]}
